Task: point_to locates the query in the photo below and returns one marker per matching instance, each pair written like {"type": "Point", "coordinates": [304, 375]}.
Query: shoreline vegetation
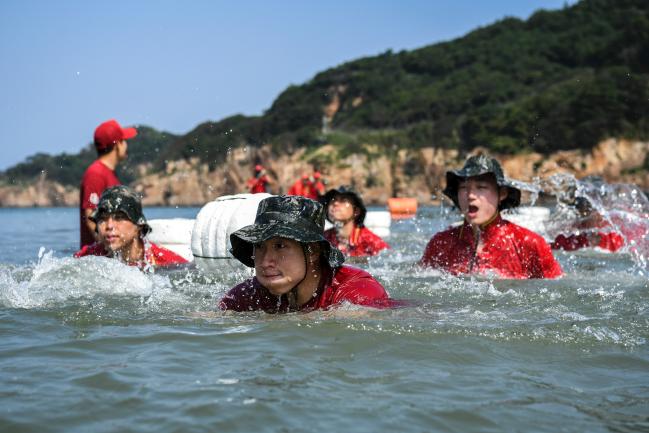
{"type": "Point", "coordinates": [564, 91]}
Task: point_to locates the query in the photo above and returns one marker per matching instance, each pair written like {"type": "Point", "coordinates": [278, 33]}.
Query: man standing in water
{"type": "Point", "coordinates": [486, 243]}
{"type": "Point", "coordinates": [110, 142]}
{"type": "Point", "coordinates": [121, 230]}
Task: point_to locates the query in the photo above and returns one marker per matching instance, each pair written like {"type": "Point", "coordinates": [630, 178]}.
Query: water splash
{"type": "Point", "coordinates": [58, 281]}
{"type": "Point", "coordinates": [533, 188]}
{"type": "Point", "coordinates": [624, 208]}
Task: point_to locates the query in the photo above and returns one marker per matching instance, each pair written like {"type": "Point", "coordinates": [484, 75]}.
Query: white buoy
{"type": "Point", "coordinates": [379, 222]}
{"type": "Point", "coordinates": [206, 239]}
{"type": "Point", "coordinates": [175, 234]}
{"type": "Point", "coordinates": [210, 240]}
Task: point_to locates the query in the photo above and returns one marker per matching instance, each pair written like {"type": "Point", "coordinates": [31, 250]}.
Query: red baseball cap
{"type": "Point", "coordinates": [109, 133]}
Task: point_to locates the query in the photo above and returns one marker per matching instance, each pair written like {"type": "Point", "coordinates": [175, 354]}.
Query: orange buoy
{"type": "Point", "coordinates": [402, 207]}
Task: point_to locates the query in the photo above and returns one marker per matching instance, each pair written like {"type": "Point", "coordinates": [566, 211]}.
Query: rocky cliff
{"type": "Point", "coordinates": [408, 173]}
{"type": "Point", "coordinates": [40, 193]}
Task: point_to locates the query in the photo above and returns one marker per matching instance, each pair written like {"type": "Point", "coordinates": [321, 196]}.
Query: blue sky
{"type": "Point", "coordinates": [69, 65]}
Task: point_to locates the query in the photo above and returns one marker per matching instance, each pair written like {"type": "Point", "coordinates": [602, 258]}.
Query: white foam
{"type": "Point", "coordinates": [56, 280]}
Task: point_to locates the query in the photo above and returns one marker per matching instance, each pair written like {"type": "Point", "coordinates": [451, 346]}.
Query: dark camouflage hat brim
{"type": "Point", "coordinates": [121, 199]}
{"type": "Point", "coordinates": [291, 217]}
{"type": "Point", "coordinates": [477, 166]}
{"type": "Point", "coordinates": [356, 198]}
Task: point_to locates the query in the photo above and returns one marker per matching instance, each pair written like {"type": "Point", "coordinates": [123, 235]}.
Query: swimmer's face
{"type": "Point", "coordinates": [279, 264]}
{"type": "Point", "coordinates": [479, 197]}
{"type": "Point", "coordinates": [116, 232]}
{"type": "Point", "coordinates": [341, 208]}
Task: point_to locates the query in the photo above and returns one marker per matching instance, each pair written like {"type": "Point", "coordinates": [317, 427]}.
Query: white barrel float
{"type": "Point", "coordinates": [210, 240]}
{"type": "Point", "coordinates": [379, 222]}
{"type": "Point", "coordinates": [174, 234]}
{"type": "Point", "coordinates": [206, 239]}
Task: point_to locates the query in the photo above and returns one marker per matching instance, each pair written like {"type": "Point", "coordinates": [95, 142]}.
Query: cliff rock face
{"type": "Point", "coordinates": [416, 173]}
{"type": "Point", "coordinates": [41, 193]}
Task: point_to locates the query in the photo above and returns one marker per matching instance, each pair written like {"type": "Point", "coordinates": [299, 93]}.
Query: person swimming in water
{"type": "Point", "coordinates": [122, 229]}
{"type": "Point", "coordinates": [296, 268]}
{"type": "Point", "coordinates": [346, 211]}
{"type": "Point", "coordinates": [591, 231]}
{"type": "Point", "coordinates": [485, 242]}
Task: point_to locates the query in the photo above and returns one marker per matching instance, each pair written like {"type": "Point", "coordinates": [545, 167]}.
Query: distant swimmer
{"type": "Point", "coordinates": [485, 242]}
{"type": "Point", "coordinates": [260, 182]}
{"type": "Point", "coordinates": [122, 229]}
{"type": "Point", "coordinates": [112, 148]}
{"type": "Point", "coordinates": [312, 187]}
{"type": "Point", "coordinates": [296, 268]}
{"type": "Point", "coordinates": [346, 211]}
{"type": "Point", "coordinates": [592, 230]}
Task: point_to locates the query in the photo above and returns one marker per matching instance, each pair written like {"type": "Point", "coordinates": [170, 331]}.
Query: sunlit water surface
{"type": "Point", "coordinates": [94, 346]}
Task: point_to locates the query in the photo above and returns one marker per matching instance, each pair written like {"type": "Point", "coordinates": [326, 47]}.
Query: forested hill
{"type": "Point", "coordinates": [562, 79]}
{"type": "Point", "coordinates": [67, 169]}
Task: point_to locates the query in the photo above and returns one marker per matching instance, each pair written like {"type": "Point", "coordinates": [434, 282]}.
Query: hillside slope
{"type": "Point", "coordinates": [561, 81]}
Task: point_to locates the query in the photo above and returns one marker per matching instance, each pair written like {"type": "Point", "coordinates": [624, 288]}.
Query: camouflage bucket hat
{"type": "Point", "coordinates": [292, 217]}
{"type": "Point", "coordinates": [121, 199]}
{"type": "Point", "coordinates": [350, 192]}
{"type": "Point", "coordinates": [477, 166]}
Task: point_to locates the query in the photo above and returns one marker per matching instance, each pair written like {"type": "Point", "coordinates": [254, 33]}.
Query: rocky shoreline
{"type": "Point", "coordinates": [409, 173]}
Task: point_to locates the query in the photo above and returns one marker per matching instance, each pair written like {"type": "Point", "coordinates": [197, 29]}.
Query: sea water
{"type": "Point", "coordinates": [92, 345]}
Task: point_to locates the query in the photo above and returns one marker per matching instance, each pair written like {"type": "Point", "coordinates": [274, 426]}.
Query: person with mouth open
{"type": "Point", "coordinates": [486, 243]}
{"type": "Point", "coordinates": [296, 268]}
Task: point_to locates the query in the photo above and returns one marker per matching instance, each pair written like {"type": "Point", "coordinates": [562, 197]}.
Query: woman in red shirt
{"type": "Point", "coordinates": [486, 243]}
{"type": "Point", "coordinates": [346, 211]}
{"type": "Point", "coordinates": [296, 268]}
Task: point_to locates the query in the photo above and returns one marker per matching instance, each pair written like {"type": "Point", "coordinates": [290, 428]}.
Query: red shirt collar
{"type": "Point", "coordinates": [466, 231]}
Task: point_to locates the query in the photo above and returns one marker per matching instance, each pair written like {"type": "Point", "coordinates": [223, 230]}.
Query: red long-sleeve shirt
{"type": "Point", "coordinates": [610, 241]}
{"type": "Point", "coordinates": [509, 250]}
{"type": "Point", "coordinates": [346, 284]}
{"type": "Point", "coordinates": [362, 242]}
{"type": "Point", "coordinates": [154, 255]}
